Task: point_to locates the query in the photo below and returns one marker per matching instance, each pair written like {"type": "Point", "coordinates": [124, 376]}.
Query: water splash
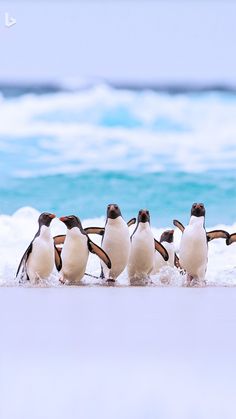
{"type": "Point", "coordinates": [16, 232]}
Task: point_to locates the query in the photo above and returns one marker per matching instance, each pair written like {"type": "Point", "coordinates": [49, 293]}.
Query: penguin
{"type": "Point", "coordinates": [41, 255]}
{"type": "Point", "coordinates": [167, 240]}
{"type": "Point", "coordinates": [114, 229]}
{"type": "Point", "coordinates": [193, 252]}
{"type": "Point", "coordinates": [143, 246]}
{"type": "Point", "coordinates": [75, 252]}
{"type": "Point", "coordinates": [115, 242]}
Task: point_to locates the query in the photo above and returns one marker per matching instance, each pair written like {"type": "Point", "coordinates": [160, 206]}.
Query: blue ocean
{"type": "Point", "coordinates": [75, 151]}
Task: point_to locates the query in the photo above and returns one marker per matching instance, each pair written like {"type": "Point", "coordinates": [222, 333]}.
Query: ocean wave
{"type": "Point", "coordinates": [167, 195]}
{"type": "Point", "coordinates": [17, 231]}
{"type": "Point", "coordinates": [102, 128]}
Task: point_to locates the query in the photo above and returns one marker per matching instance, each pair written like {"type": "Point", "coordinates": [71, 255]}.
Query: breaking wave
{"type": "Point", "coordinates": [117, 130]}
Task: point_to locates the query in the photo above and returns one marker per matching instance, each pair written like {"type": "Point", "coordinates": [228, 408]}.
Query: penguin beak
{"type": "Point", "coordinates": [52, 216]}
{"type": "Point", "coordinates": [143, 216]}
{"type": "Point", "coordinates": [112, 209]}
{"type": "Point", "coordinates": [63, 219]}
{"type": "Point", "coordinates": [198, 209]}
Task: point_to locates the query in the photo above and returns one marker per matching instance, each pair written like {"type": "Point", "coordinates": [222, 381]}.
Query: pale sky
{"type": "Point", "coordinates": [124, 41]}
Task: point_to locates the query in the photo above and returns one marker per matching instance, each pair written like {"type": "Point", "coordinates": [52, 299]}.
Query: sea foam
{"type": "Point", "coordinates": [17, 231]}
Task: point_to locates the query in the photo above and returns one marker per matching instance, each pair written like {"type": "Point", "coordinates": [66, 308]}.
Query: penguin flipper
{"type": "Point", "coordinates": [217, 234]}
{"type": "Point", "coordinates": [94, 248]}
{"type": "Point", "coordinates": [57, 256]}
{"type": "Point", "coordinates": [95, 230]}
{"type": "Point", "coordinates": [231, 239]}
{"type": "Point", "coordinates": [179, 225]}
{"type": "Point", "coordinates": [24, 258]}
{"type": "Point", "coordinates": [60, 239]}
{"type": "Point", "coordinates": [161, 249]}
{"type": "Point", "coordinates": [131, 222]}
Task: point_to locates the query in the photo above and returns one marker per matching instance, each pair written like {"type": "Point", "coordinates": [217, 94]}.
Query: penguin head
{"type": "Point", "coordinates": [113, 211]}
{"type": "Point", "coordinates": [167, 236]}
{"type": "Point", "coordinates": [45, 219]}
{"type": "Point", "coordinates": [198, 210]}
{"type": "Point", "coordinates": [71, 221]}
{"type": "Point", "coordinates": [143, 216]}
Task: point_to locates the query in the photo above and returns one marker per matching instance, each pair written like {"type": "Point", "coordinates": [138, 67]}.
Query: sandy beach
{"type": "Point", "coordinates": [117, 353]}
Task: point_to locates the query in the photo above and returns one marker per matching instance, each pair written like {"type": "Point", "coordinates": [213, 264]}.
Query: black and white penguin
{"type": "Point", "coordinates": [115, 228]}
{"type": "Point", "coordinates": [115, 242]}
{"type": "Point", "coordinates": [193, 252]}
{"type": "Point", "coordinates": [75, 251]}
{"type": "Point", "coordinates": [40, 257]}
{"type": "Point", "coordinates": [167, 240]}
{"type": "Point", "coordinates": [143, 247]}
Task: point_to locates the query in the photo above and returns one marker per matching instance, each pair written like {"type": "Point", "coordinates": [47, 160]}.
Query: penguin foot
{"type": "Point", "coordinates": [195, 281]}
{"type": "Point", "coordinates": [62, 280]}
{"type": "Point", "coordinates": [190, 279]}
{"type": "Point", "coordinates": [140, 281]}
{"type": "Point", "coordinates": [110, 281]}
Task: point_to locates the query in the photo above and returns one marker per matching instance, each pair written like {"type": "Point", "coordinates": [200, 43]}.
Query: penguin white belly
{"type": "Point", "coordinates": [159, 262]}
{"type": "Point", "coordinates": [141, 255]}
{"type": "Point", "coordinates": [193, 251]}
{"type": "Point", "coordinates": [40, 263]}
{"type": "Point", "coordinates": [116, 243]}
{"type": "Point", "coordinates": [74, 258]}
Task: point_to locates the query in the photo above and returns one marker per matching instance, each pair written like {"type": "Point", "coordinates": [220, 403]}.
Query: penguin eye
{"type": "Point", "coordinates": [194, 205]}
{"type": "Point", "coordinates": [116, 206]}
{"type": "Point", "coordinates": [108, 206]}
{"type": "Point", "coordinates": [147, 212]}
{"type": "Point", "coordinates": [201, 205]}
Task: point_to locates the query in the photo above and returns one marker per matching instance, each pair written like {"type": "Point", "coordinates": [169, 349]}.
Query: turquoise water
{"type": "Point", "coordinates": [75, 152]}
{"type": "Point", "coordinates": [167, 195]}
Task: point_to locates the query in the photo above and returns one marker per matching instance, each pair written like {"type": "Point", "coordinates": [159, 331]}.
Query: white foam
{"type": "Point", "coordinates": [71, 130]}
{"type": "Point", "coordinates": [17, 231]}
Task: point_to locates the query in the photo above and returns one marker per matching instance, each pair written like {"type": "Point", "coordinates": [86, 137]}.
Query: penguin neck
{"type": "Point", "coordinates": [44, 232]}
{"type": "Point", "coordinates": [74, 232]}
{"type": "Point", "coordinates": [143, 226]}
{"type": "Point", "coordinates": [197, 220]}
{"type": "Point", "coordinates": [115, 221]}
